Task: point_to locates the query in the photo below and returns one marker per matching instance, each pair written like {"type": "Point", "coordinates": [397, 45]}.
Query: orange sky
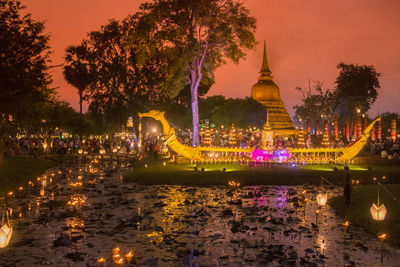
{"type": "Point", "coordinates": [305, 40]}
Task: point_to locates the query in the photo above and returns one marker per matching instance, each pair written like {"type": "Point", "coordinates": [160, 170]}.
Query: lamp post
{"type": "Point", "coordinates": [346, 225]}
{"type": "Point", "coordinates": [317, 211]}
{"type": "Point", "coordinates": [382, 238]}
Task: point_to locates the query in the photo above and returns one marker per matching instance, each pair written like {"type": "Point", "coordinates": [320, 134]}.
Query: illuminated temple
{"type": "Point", "coordinates": [267, 93]}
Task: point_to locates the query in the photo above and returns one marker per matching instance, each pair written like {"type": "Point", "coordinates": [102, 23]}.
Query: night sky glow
{"type": "Point", "coordinates": [305, 41]}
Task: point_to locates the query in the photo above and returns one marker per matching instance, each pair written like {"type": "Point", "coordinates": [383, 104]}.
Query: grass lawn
{"type": "Point", "coordinates": [184, 174]}
{"type": "Point", "coordinates": [15, 172]}
{"type": "Point", "coordinates": [359, 214]}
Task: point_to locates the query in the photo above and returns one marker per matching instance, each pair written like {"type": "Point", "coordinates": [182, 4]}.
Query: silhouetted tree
{"type": "Point", "coordinates": [242, 112]}
{"type": "Point", "coordinates": [24, 78]}
{"type": "Point", "coordinates": [317, 102]}
{"type": "Point", "coordinates": [119, 82]}
{"type": "Point", "coordinates": [77, 70]}
{"type": "Point", "coordinates": [197, 36]}
{"type": "Point", "coordinates": [356, 88]}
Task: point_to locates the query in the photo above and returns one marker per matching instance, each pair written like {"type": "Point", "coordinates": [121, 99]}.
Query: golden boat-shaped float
{"type": "Point", "coordinates": [197, 153]}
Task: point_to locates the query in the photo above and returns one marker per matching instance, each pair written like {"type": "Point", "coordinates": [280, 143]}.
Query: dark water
{"type": "Point", "coordinates": [178, 225]}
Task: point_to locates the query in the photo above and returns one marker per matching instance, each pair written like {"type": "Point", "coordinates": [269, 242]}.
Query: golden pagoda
{"type": "Point", "coordinates": [267, 93]}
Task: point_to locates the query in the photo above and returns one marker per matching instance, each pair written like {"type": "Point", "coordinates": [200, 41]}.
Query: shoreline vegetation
{"type": "Point", "coordinates": [17, 171]}
{"type": "Point", "coordinates": [358, 213]}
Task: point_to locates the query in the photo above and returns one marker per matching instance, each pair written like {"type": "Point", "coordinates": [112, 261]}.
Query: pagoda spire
{"type": "Point", "coordinates": [264, 67]}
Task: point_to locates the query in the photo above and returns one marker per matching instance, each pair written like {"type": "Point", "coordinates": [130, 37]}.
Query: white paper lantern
{"type": "Point", "coordinates": [6, 231]}
{"type": "Point", "coordinates": [378, 212]}
{"type": "Point", "coordinates": [322, 199]}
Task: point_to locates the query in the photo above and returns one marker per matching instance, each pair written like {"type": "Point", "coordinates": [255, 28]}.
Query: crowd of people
{"type": "Point", "coordinates": [36, 146]}
{"type": "Point", "coordinates": [153, 144]}
{"type": "Point", "coordinates": [386, 149]}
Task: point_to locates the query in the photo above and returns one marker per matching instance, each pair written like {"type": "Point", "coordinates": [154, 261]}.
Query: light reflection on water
{"type": "Point", "coordinates": [179, 225]}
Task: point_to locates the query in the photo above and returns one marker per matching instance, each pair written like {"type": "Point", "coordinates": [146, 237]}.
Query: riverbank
{"type": "Point", "coordinates": [16, 172]}
{"type": "Point", "coordinates": [359, 214]}
{"type": "Point", "coordinates": [163, 172]}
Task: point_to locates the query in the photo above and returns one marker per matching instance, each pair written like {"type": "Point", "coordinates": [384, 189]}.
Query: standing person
{"type": "Point", "coordinates": [347, 186]}
{"type": "Point", "coordinates": [155, 150]}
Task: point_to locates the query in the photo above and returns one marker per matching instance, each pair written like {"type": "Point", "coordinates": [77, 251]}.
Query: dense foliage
{"type": "Point", "coordinates": [355, 92]}
{"type": "Point", "coordinates": [242, 112]}
{"type": "Point", "coordinates": [24, 78]}
{"type": "Point", "coordinates": [197, 37]}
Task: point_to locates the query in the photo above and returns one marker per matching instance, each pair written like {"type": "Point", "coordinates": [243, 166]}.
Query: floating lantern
{"type": "Point", "coordinates": [129, 256]}
{"type": "Point", "coordinates": [80, 151]}
{"type": "Point", "coordinates": [322, 199]}
{"type": "Point", "coordinates": [6, 231]}
{"type": "Point", "coordinates": [382, 237]}
{"type": "Point", "coordinates": [378, 212]}
{"type": "Point", "coordinates": [118, 259]}
{"type": "Point", "coordinates": [101, 262]}
{"type": "Point", "coordinates": [164, 163]}
{"type": "Point", "coordinates": [116, 250]}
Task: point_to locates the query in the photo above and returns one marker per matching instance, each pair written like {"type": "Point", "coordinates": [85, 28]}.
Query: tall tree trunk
{"type": "Point", "coordinates": [2, 150]}
{"type": "Point", "coordinates": [195, 117]}
{"type": "Point", "coordinates": [195, 78]}
{"type": "Point", "coordinates": [80, 101]}
{"type": "Point", "coordinates": [80, 112]}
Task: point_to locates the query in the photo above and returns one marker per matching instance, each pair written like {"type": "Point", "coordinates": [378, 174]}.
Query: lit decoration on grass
{"type": "Point", "coordinates": [379, 130]}
{"type": "Point", "coordinates": [378, 211]}
{"type": "Point", "coordinates": [300, 141]}
{"type": "Point", "coordinates": [164, 163]}
{"type": "Point", "coordinates": [80, 151]}
{"type": "Point", "coordinates": [6, 230]}
{"type": "Point", "coordinates": [232, 136]}
{"type": "Point", "coordinates": [336, 126]}
{"type": "Point", "coordinates": [259, 155]}
{"type": "Point", "coordinates": [102, 151]}
{"type": "Point", "coordinates": [347, 129]}
{"type": "Point", "coordinates": [393, 130]}
{"type": "Point", "coordinates": [325, 138]}
{"type": "Point", "coordinates": [207, 135]}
